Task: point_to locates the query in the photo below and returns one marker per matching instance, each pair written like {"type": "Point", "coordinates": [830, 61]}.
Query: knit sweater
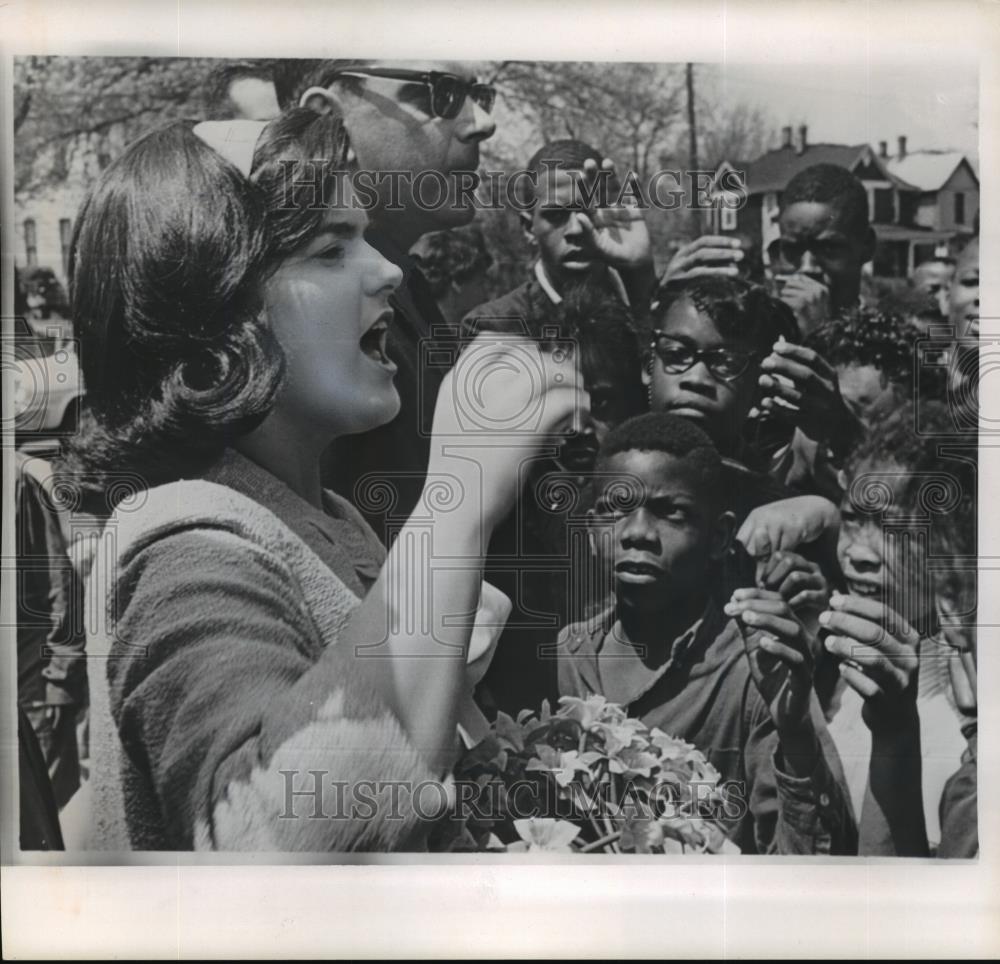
{"type": "Point", "coordinates": [225, 717]}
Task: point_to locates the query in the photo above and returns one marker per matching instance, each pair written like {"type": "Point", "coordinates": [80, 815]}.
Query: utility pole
{"type": "Point", "coordinates": [692, 142]}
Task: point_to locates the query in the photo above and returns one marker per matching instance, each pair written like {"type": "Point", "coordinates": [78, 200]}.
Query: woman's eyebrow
{"type": "Point", "coordinates": [342, 230]}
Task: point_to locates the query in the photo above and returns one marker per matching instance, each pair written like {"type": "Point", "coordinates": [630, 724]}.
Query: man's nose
{"type": "Point", "coordinates": [479, 125]}
{"type": "Point", "coordinates": [809, 264]}
{"type": "Point", "coordinates": [573, 226]}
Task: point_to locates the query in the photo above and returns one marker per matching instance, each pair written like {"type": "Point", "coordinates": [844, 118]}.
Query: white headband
{"type": "Point", "coordinates": [235, 140]}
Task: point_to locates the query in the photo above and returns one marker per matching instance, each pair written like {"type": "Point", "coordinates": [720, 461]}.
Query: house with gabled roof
{"type": "Point", "coordinates": [948, 185]}
{"type": "Point", "coordinates": [903, 219]}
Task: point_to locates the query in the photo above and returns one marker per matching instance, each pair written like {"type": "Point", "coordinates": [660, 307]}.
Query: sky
{"type": "Point", "coordinates": [934, 105]}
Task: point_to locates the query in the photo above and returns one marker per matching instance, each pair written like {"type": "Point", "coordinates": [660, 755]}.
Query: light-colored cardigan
{"type": "Point", "coordinates": [244, 816]}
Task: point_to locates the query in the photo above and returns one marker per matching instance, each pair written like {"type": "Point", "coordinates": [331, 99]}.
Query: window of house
{"type": "Point", "coordinates": [907, 207]}
{"type": "Point", "coordinates": [728, 219]}
{"type": "Point", "coordinates": [959, 207]}
{"type": "Point", "coordinates": [884, 209]}
{"type": "Point", "coordinates": [65, 236]}
{"type": "Point", "coordinates": [30, 242]}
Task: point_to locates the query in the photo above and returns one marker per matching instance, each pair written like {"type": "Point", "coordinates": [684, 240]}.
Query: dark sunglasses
{"type": "Point", "coordinates": [678, 356]}
{"type": "Point", "coordinates": [792, 252]}
{"type": "Point", "coordinates": [447, 91]}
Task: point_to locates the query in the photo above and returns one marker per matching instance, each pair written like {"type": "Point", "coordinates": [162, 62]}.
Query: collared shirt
{"type": "Point", "coordinates": [703, 692]}
{"type": "Point", "coordinates": [626, 678]}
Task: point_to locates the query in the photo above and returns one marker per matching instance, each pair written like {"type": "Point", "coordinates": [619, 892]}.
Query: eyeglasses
{"type": "Point", "coordinates": [678, 356]}
{"type": "Point", "coordinates": [447, 91]}
{"type": "Point", "coordinates": [822, 249]}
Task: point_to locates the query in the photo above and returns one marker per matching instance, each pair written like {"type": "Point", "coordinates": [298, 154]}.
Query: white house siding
{"type": "Point", "coordinates": [962, 181]}
{"type": "Point", "coordinates": [927, 210]}
{"type": "Point", "coordinates": [47, 209]}
{"type": "Point", "coordinates": [47, 206]}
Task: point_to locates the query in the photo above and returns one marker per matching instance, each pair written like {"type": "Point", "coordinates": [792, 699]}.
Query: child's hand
{"type": "Point", "coordinates": [781, 655]}
{"type": "Point", "coordinates": [809, 300]}
{"type": "Point", "coordinates": [787, 524]}
{"type": "Point", "coordinates": [878, 650]}
{"type": "Point", "coordinates": [711, 254]}
{"type": "Point", "coordinates": [802, 387]}
{"type": "Point", "coordinates": [800, 582]}
{"type": "Point", "coordinates": [962, 665]}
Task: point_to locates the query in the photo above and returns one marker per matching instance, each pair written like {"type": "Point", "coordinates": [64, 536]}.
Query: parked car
{"type": "Point", "coordinates": [48, 385]}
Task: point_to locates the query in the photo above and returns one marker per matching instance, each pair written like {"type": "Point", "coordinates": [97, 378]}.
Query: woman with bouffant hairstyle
{"type": "Point", "coordinates": [232, 321]}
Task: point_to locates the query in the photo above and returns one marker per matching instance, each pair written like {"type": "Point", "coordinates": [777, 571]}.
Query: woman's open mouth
{"type": "Point", "coordinates": [373, 341]}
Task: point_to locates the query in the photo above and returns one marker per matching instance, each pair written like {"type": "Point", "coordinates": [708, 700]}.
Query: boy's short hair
{"type": "Point", "coordinates": [834, 185]}
{"type": "Point", "coordinates": [870, 336]}
{"type": "Point", "coordinates": [673, 435]}
{"type": "Point", "coordinates": [567, 154]}
{"type": "Point", "coordinates": [740, 309]}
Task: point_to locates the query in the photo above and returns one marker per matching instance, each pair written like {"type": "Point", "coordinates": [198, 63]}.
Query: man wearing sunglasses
{"type": "Point", "coordinates": [404, 119]}
{"type": "Point", "coordinates": [825, 242]}
{"type": "Point", "coordinates": [409, 124]}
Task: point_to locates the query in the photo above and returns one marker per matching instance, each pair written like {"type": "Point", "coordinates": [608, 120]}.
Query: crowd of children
{"type": "Point", "coordinates": [785, 543]}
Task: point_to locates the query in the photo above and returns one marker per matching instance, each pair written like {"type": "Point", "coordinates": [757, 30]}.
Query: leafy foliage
{"type": "Point", "coordinates": [71, 110]}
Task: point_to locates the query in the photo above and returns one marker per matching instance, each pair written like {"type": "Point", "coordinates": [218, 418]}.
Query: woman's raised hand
{"type": "Point", "coordinates": [498, 405]}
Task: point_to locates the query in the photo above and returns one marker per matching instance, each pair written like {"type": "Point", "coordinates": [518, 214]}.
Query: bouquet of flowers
{"type": "Point", "coordinates": [586, 778]}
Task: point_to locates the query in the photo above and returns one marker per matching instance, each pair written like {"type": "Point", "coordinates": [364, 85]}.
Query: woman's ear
{"type": "Point", "coordinates": [722, 536]}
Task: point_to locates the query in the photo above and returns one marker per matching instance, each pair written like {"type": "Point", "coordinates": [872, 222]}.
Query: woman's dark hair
{"type": "Point", "coordinates": [166, 266]}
